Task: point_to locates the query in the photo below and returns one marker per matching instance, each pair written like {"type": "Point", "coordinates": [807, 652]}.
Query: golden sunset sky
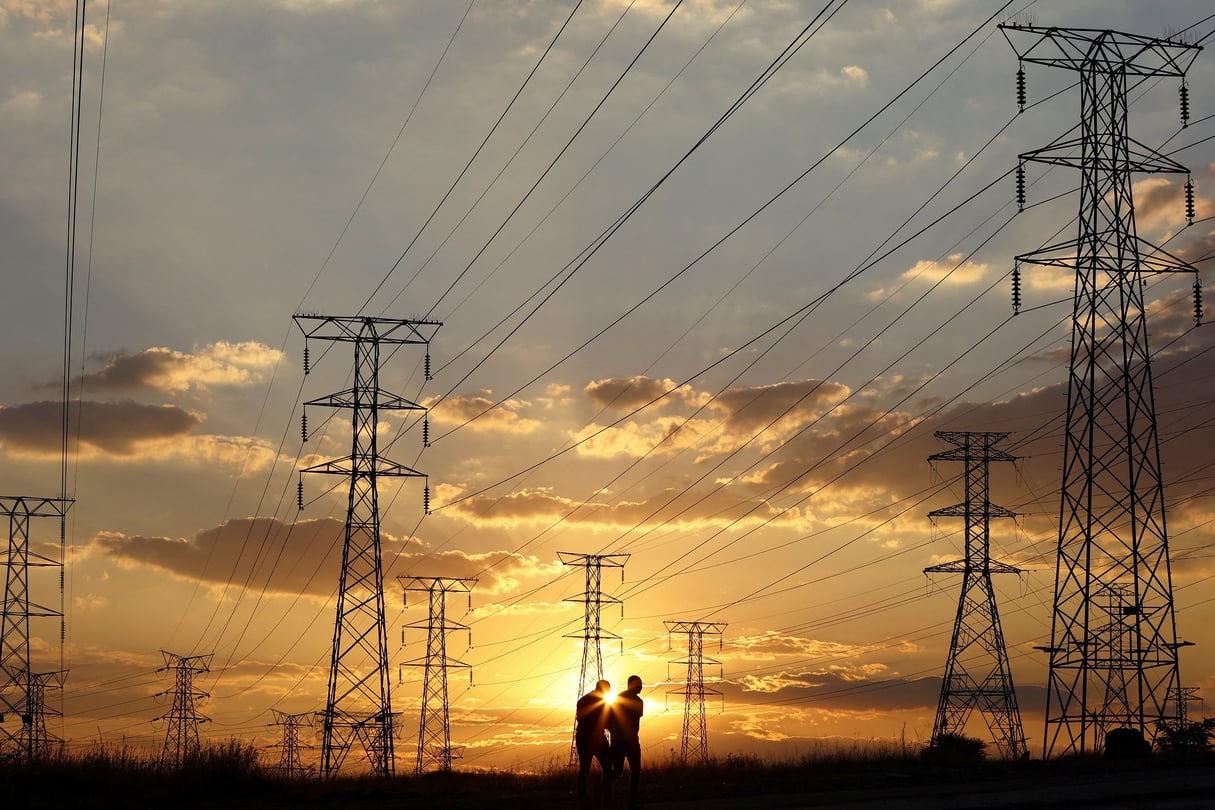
{"type": "Point", "coordinates": [737, 385]}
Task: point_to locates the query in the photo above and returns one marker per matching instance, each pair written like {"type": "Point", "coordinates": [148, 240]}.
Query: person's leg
{"type": "Point", "coordinates": [584, 773]}
{"type": "Point", "coordinates": [605, 756]}
{"type": "Point", "coordinates": [634, 773]}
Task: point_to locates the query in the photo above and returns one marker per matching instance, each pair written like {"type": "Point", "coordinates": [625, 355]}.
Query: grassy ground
{"type": "Point", "coordinates": [228, 776]}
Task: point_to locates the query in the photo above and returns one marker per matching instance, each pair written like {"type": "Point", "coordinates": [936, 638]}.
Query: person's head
{"type": "Point", "coordinates": [603, 687]}
{"type": "Point", "coordinates": [634, 683]}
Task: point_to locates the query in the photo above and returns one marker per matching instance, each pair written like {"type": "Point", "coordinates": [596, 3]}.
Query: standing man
{"type": "Point", "coordinates": [590, 740]}
{"type": "Point", "coordinates": [624, 724]}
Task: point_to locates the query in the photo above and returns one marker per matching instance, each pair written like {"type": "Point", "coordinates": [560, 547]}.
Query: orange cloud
{"type": "Point", "coordinates": [480, 413]}
{"type": "Point", "coordinates": [304, 558]}
{"type": "Point", "coordinates": [694, 509]}
{"type": "Point", "coordinates": [162, 369]}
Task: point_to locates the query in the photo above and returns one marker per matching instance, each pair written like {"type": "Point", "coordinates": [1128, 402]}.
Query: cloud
{"type": "Point", "coordinates": [479, 412]}
{"type": "Point", "coordinates": [726, 422]}
{"type": "Point", "coordinates": [855, 74]}
{"type": "Point", "coordinates": [837, 690]}
{"type": "Point", "coordinates": [160, 369]}
{"type": "Point", "coordinates": [670, 507]}
{"type": "Point", "coordinates": [956, 270]}
{"type": "Point", "coordinates": [630, 393]}
{"type": "Point", "coordinates": [305, 558]}
{"type": "Point", "coordinates": [119, 429]}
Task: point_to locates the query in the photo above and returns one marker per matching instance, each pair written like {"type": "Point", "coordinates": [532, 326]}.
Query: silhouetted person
{"type": "Point", "coordinates": [624, 724]}
{"type": "Point", "coordinates": [590, 740]}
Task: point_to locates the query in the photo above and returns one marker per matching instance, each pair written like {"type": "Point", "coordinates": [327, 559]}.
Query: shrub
{"type": "Point", "coordinates": [954, 747]}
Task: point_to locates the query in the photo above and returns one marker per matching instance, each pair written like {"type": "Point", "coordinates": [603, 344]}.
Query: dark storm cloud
{"type": "Point", "coordinates": [114, 428]}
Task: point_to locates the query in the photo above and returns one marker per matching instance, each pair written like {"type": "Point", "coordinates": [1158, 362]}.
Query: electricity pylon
{"type": "Point", "coordinates": [977, 674]}
{"type": "Point", "coordinates": [358, 703]}
{"type": "Point", "coordinates": [435, 751]}
{"type": "Point", "coordinates": [694, 740]}
{"type": "Point", "coordinates": [290, 763]}
{"type": "Point", "coordinates": [592, 633]}
{"type": "Point", "coordinates": [1112, 520]}
{"type": "Point", "coordinates": [22, 691]}
{"type": "Point", "coordinates": [181, 733]}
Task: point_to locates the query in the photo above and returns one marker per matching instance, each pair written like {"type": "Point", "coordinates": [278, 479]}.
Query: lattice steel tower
{"type": "Point", "coordinates": [435, 751]}
{"type": "Point", "coordinates": [977, 674]}
{"type": "Point", "coordinates": [22, 691]}
{"type": "Point", "coordinates": [694, 740]}
{"type": "Point", "coordinates": [1112, 523]}
{"type": "Point", "coordinates": [290, 762]}
{"type": "Point", "coordinates": [592, 632]}
{"type": "Point", "coordinates": [181, 733]}
{"type": "Point", "coordinates": [358, 704]}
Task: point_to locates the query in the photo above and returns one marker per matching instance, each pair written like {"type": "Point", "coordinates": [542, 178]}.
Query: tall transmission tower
{"type": "Point", "coordinates": [181, 733]}
{"type": "Point", "coordinates": [435, 751]}
{"type": "Point", "coordinates": [358, 704]}
{"type": "Point", "coordinates": [1112, 519]}
{"type": "Point", "coordinates": [290, 762]}
{"type": "Point", "coordinates": [977, 674]}
{"type": "Point", "coordinates": [694, 740]}
{"type": "Point", "coordinates": [593, 601]}
{"type": "Point", "coordinates": [23, 691]}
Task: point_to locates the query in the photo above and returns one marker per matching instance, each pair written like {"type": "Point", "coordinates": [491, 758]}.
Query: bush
{"type": "Point", "coordinates": [1126, 743]}
{"type": "Point", "coordinates": [952, 747]}
{"type": "Point", "coordinates": [1185, 737]}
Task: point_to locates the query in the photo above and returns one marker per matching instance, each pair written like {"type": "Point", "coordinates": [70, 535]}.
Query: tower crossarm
{"type": "Point", "coordinates": [349, 398]}
{"type": "Point", "coordinates": [27, 506]}
{"type": "Point", "coordinates": [962, 567]}
{"type": "Point", "coordinates": [1137, 157]}
{"type": "Point", "coordinates": [1066, 255]}
{"type": "Point", "coordinates": [1096, 49]}
{"type": "Point", "coordinates": [990, 510]}
{"type": "Point", "coordinates": [391, 331]}
{"type": "Point", "coordinates": [379, 466]}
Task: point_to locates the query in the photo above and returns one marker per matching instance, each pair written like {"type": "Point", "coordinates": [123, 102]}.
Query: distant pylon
{"type": "Point", "coordinates": [694, 740]}
{"type": "Point", "coordinates": [1112, 519]}
{"type": "Point", "coordinates": [592, 632]}
{"type": "Point", "coordinates": [1184, 696]}
{"type": "Point", "coordinates": [435, 751]}
{"type": "Point", "coordinates": [977, 675]}
{"type": "Point", "coordinates": [181, 733]}
{"type": "Point", "coordinates": [358, 703]}
{"type": "Point", "coordinates": [22, 691]}
{"type": "Point", "coordinates": [290, 763]}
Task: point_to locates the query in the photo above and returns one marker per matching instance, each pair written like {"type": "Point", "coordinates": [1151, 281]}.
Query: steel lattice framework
{"type": "Point", "coordinates": [358, 704]}
{"type": "Point", "coordinates": [592, 634]}
{"type": "Point", "coordinates": [694, 739]}
{"type": "Point", "coordinates": [181, 733]}
{"type": "Point", "coordinates": [1112, 518]}
{"type": "Point", "coordinates": [435, 751]}
{"type": "Point", "coordinates": [22, 691]}
{"type": "Point", "coordinates": [290, 762]}
{"type": "Point", "coordinates": [977, 674]}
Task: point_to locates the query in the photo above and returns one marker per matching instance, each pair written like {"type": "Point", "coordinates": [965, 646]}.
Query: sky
{"type": "Point", "coordinates": [721, 350]}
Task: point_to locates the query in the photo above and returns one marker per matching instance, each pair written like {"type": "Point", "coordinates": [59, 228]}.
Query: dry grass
{"type": "Point", "coordinates": [228, 774]}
